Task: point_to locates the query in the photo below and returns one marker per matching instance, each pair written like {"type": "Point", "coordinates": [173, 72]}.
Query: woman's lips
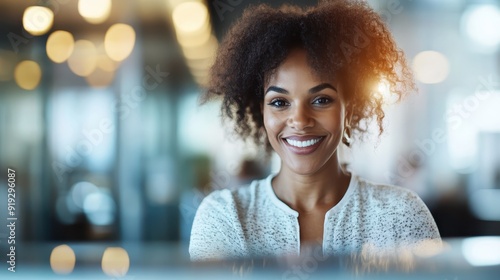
{"type": "Point", "coordinates": [303, 145]}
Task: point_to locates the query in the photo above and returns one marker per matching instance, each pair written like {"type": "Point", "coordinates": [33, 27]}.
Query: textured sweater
{"type": "Point", "coordinates": [253, 221]}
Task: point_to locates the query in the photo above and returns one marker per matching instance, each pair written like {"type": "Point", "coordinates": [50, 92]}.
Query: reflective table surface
{"type": "Point", "coordinates": [468, 258]}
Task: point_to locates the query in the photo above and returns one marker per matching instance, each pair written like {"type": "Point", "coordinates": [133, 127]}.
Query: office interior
{"type": "Point", "coordinates": [101, 123]}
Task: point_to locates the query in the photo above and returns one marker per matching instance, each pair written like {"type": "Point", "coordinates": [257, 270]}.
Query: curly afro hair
{"type": "Point", "coordinates": [342, 38]}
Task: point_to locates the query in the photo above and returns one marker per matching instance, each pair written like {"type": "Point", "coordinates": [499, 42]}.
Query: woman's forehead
{"type": "Point", "coordinates": [296, 67]}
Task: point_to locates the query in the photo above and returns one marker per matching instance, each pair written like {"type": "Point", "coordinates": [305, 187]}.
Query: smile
{"type": "Point", "coordinates": [303, 144]}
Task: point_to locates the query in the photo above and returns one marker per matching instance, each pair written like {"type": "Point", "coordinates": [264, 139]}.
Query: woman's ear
{"type": "Point", "coordinates": [347, 132]}
{"type": "Point", "coordinates": [348, 116]}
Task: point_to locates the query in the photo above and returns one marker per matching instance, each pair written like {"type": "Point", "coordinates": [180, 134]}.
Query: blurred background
{"type": "Point", "coordinates": [100, 121]}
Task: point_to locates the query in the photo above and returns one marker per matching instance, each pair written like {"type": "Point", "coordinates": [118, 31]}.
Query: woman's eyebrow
{"type": "Point", "coordinates": [321, 87]}
{"type": "Point", "coordinates": [277, 89]}
{"type": "Point", "coordinates": [313, 90]}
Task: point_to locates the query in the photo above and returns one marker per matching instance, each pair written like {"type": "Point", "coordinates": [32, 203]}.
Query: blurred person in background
{"type": "Point", "coordinates": [249, 170]}
{"type": "Point", "coordinates": [301, 82]}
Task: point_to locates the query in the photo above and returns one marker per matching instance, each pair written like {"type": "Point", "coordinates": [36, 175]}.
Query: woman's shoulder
{"type": "Point", "coordinates": [396, 202]}
{"type": "Point", "coordinates": [386, 193]}
{"type": "Point", "coordinates": [401, 206]}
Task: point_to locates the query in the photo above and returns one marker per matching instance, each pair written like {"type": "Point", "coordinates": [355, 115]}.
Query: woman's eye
{"type": "Point", "coordinates": [322, 101]}
{"type": "Point", "coordinates": [278, 103]}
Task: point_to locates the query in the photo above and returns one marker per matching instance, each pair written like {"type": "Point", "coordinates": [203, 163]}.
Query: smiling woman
{"type": "Point", "coordinates": [303, 116]}
{"type": "Point", "coordinates": [301, 82]}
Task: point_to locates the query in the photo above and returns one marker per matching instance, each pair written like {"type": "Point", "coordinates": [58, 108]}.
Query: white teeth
{"type": "Point", "coordinates": [302, 144]}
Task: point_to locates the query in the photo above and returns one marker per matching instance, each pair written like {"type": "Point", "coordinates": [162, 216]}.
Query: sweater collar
{"type": "Point", "coordinates": [353, 184]}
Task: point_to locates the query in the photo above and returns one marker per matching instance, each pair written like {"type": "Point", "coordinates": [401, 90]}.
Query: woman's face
{"type": "Point", "coordinates": [303, 116]}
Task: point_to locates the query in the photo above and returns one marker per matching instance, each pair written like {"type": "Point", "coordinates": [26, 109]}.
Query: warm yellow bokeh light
{"type": "Point", "coordinates": [100, 78]}
{"type": "Point", "coordinates": [194, 39]}
{"type": "Point", "coordinates": [28, 74]}
{"type": "Point", "coordinates": [83, 60]}
{"type": "Point", "coordinates": [430, 67]}
{"type": "Point", "coordinates": [171, 4]}
{"type": "Point", "coordinates": [62, 259]}
{"type": "Point", "coordinates": [194, 34]}
{"type": "Point", "coordinates": [119, 41]}
{"type": "Point", "coordinates": [38, 20]}
{"type": "Point", "coordinates": [103, 60]}
{"type": "Point", "coordinates": [115, 262]}
{"type": "Point", "coordinates": [94, 11]}
{"type": "Point", "coordinates": [60, 45]}
{"type": "Point", "coordinates": [198, 64]}
{"type": "Point", "coordinates": [106, 63]}
{"type": "Point", "coordinates": [190, 17]}
{"type": "Point", "coordinates": [207, 50]}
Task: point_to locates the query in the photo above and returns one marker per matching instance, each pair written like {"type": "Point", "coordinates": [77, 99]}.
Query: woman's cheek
{"type": "Point", "coordinates": [272, 122]}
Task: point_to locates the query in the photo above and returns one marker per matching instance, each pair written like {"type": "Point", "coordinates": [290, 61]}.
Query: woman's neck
{"type": "Point", "coordinates": [311, 192]}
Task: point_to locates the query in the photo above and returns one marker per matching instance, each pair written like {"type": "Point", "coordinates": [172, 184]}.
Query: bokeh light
{"type": "Point", "coordinates": [194, 39]}
{"type": "Point", "coordinates": [190, 17]}
{"type": "Point", "coordinates": [119, 41]}
{"type": "Point", "coordinates": [83, 60]}
{"type": "Point", "coordinates": [38, 20]}
{"type": "Point", "coordinates": [115, 262]}
{"type": "Point", "coordinates": [481, 24]}
{"type": "Point", "coordinates": [482, 119]}
{"type": "Point", "coordinates": [100, 78]}
{"type": "Point", "coordinates": [106, 63]}
{"type": "Point", "coordinates": [100, 208]}
{"type": "Point", "coordinates": [200, 58]}
{"type": "Point", "coordinates": [62, 259]}
{"type": "Point", "coordinates": [198, 64]}
{"type": "Point", "coordinates": [80, 191]}
{"type": "Point", "coordinates": [60, 45]}
{"type": "Point", "coordinates": [94, 11]}
{"type": "Point", "coordinates": [430, 67]}
{"type": "Point", "coordinates": [28, 74]}
{"type": "Point", "coordinates": [207, 50]}
{"type": "Point", "coordinates": [193, 31]}
{"type": "Point", "coordinates": [482, 251]}
{"type": "Point", "coordinates": [192, 24]}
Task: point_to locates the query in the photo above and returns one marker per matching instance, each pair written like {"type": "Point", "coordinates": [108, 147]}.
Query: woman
{"type": "Point", "coordinates": [301, 82]}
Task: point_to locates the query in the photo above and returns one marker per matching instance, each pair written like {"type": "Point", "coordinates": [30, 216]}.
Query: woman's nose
{"type": "Point", "coordinates": [300, 118]}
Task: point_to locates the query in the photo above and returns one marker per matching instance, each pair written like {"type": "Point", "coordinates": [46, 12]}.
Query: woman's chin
{"type": "Point", "coordinates": [304, 170]}
{"type": "Point", "coordinates": [307, 165]}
